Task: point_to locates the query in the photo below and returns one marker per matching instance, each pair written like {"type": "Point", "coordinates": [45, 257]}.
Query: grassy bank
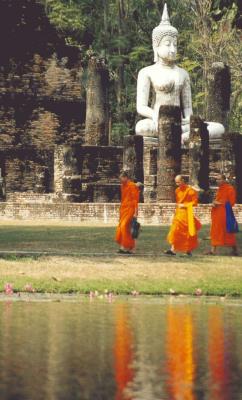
{"type": "Point", "coordinates": [96, 266]}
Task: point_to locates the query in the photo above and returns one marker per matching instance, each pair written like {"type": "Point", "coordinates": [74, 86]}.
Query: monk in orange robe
{"type": "Point", "coordinates": [128, 210]}
{"type": "Point", "coordinates": [219, 236]}
{"type": "Point", "coordinates": [183, 232]}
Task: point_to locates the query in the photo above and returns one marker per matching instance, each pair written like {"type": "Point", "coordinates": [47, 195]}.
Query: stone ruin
{"type": "Point", "coordinates": [51, 145]}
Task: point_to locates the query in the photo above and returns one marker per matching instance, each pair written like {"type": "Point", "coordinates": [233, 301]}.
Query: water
{"type": "Point", "coordinates": [135, 349]}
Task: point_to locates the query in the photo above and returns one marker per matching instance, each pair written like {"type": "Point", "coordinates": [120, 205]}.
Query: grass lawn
{"type": "Point", "coordinates": [84, 258]}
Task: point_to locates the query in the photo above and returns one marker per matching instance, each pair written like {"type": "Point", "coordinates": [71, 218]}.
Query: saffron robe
{"type": "Point", "coordinates": [129, 205]}
{"type": "Point", "coordinates": [219, 235]}
{"type": "Point", "coordinates": [183, 231]}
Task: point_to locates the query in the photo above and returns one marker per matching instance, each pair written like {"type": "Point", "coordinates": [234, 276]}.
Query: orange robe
{"type": "Point", "coordinates": [180, 362]}
{"type": "Point", "coordinates": [180, 235]}
{"type": "Point", "coordinates": [123, 352]}
{"type": "Point", "coordinates": [129, 204]}
{"type": "Point", "coordinates": [219, 236]}
{"type": "Point", "coordinates": [218, 356]}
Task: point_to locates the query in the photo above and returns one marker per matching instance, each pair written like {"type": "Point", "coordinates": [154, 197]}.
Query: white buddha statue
{"type": "Point", "coordinates": [171, 85]}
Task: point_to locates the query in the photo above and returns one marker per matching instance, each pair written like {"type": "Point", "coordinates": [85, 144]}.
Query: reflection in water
{"type": "Point", "coordinates": [179, 353]}
{"type": "Point", "coordinates": [217, 356]}
{"type": "Point", "coordinates": [123, 352]}
{"type": "Point", "coordinates": [134, 349]}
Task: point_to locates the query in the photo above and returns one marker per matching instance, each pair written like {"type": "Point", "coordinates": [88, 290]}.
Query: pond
{"type": "Point", "coordinates": [130, 348]}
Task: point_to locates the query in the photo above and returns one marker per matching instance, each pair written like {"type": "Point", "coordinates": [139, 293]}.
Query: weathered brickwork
{"type": "Point", "coordinates": [27, 169]}
{"type": "Point", "coordinates": [42, 113]}
{"type": "Point", "coordinates": [41, 96]}
{"type": "Point", "coordinates": [150, 169]}
{"type": "Point", "coordinates": [153, 214]}
{"type": "Point", "coordinates": [219, 91]}
{"type": "Point", "coordinates": [88, 173]}
{"type": "Point", "coordinates": [133, 155]}
{"type": "Point", "coordinates": [97, 103]}
{"type": "Point", "coordinates": [169, 152]}
{"type": "Point", "coordinates": [198, 154]}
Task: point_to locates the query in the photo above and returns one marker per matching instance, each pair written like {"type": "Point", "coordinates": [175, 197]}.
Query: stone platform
{"type": "Point", "coordinates": [149, 214]}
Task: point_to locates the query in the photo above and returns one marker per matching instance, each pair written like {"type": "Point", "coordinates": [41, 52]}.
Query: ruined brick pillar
{"type": "Point", "coordinates": [150, 169]}
{"type": "Point", "coordinates": [231, 164]}
{"type": "Point", "coordinates": [219, 91]}
{"type": "Point", "coordinates": [169, 152]}
{"type": "Point", "coordinates": [133, 156]}
{"type": "Point", "coordinates": [96, 129]}
{"type": "Point", "coordinates": [58, 169]}
{"type": "Point", "coordinates": [67, 181]}
{"type": "Point", "coordinates": [199, 155]}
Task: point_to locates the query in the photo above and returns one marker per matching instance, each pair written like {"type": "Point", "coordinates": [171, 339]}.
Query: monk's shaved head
{"type": "Point", "coordinates": [179, 179]}
{"type": "Point", "coordinates": [124, 176]}
{"type": "Point", "coordinates": [221, 178]}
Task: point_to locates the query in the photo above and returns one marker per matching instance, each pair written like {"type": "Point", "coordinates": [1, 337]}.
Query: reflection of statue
{"type": "Point", "coordinates": [171, 84]}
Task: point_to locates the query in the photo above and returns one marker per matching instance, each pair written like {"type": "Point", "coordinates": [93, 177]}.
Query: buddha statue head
{"type": "Point", "coordinates": [164, 39]}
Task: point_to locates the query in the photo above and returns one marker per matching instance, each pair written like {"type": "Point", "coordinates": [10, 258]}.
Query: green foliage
{"type": "Point", "coordinates": [120, 31]}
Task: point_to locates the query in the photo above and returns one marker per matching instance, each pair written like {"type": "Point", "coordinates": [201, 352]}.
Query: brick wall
{"type": "Point", "coordinates": [88, 173]}
{"type": "Point", "coordinates": [94, 212]}
{"type": "Point", "coordinates": [41, 96]}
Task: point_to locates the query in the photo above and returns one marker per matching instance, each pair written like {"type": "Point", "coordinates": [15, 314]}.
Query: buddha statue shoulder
{"type": "Point", "coordinates": [170, 84]}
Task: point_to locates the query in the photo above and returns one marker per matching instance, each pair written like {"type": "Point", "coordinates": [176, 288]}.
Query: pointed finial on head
{"type": "Point", "coordinates": [163, 29]}
{"type": "Point", "coordinates": [165, 16]}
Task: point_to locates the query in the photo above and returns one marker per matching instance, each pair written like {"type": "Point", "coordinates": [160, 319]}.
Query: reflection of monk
{"type": "Point", "coordinates": [123, 352]}
{"type": "Point", "coordinates": [183, 232]}
{"type": "Point", "coordinates": [179, 350]}
{"type": "Point", "coordinates": [128, 210]}
{"type": "Point", "coordinates": [219, 236]}
{"type": "Point", "coordinates": [216, 350]}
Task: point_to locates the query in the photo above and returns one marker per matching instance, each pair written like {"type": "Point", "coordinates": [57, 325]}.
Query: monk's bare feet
{"type": "Point", "coordinates": [123, 251]}
{"type": "Point", "coordinates": [210, 253]}
{"type": "Point", "coordinates": [235, 253]}
{"type": "Point", "coordinates": [169, 252]}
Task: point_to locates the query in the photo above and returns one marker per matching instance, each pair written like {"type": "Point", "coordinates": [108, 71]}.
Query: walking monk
{"type": "Point", "coordinates": [128, 210]}
{"type": "Point", "coordinates": [183, 232]}
{"type": "Point", "coordinates": [219, 236]}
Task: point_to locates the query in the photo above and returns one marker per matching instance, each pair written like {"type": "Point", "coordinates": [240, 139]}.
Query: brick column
{"type": "Point", "coordinates": [169, 152]}
{"type": "Point", "coordinates": [231, 164]}
{"type": "Point", "coordinates": [219, 91]}
{"type": "Point", "coordinates": [133, 156]}
{"type": "Point", "coordinates": [58, 169]}
{"type": "Point", "coordinates": [199, 154]}
{"type": "Point", "coordinates": [150, 169]}
{"type": "Point", "coordinates": [96, 129]}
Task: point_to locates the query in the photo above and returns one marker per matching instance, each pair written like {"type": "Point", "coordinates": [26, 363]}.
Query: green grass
{"type": "Point", "coordinates": [148, 272]}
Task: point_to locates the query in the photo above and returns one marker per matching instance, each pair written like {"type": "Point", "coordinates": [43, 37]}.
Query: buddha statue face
{"type": "Point", "coordinates": [167, 49]}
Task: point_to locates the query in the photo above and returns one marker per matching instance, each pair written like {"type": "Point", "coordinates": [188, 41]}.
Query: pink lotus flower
{"type": "Point", "coordinates": [135, 293]}
{"type": "Point", "coordinates": [29, 288]}
{"type": "Point", "coordinates": [8, 288]}
{"type": "Point", "coordinates": [198, 292]}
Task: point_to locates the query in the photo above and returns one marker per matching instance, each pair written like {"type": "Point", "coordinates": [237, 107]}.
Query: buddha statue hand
{"type": "Point", "coordinates": [155, 119]}
{"type": "Point", "coordinates": [185, 124]}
